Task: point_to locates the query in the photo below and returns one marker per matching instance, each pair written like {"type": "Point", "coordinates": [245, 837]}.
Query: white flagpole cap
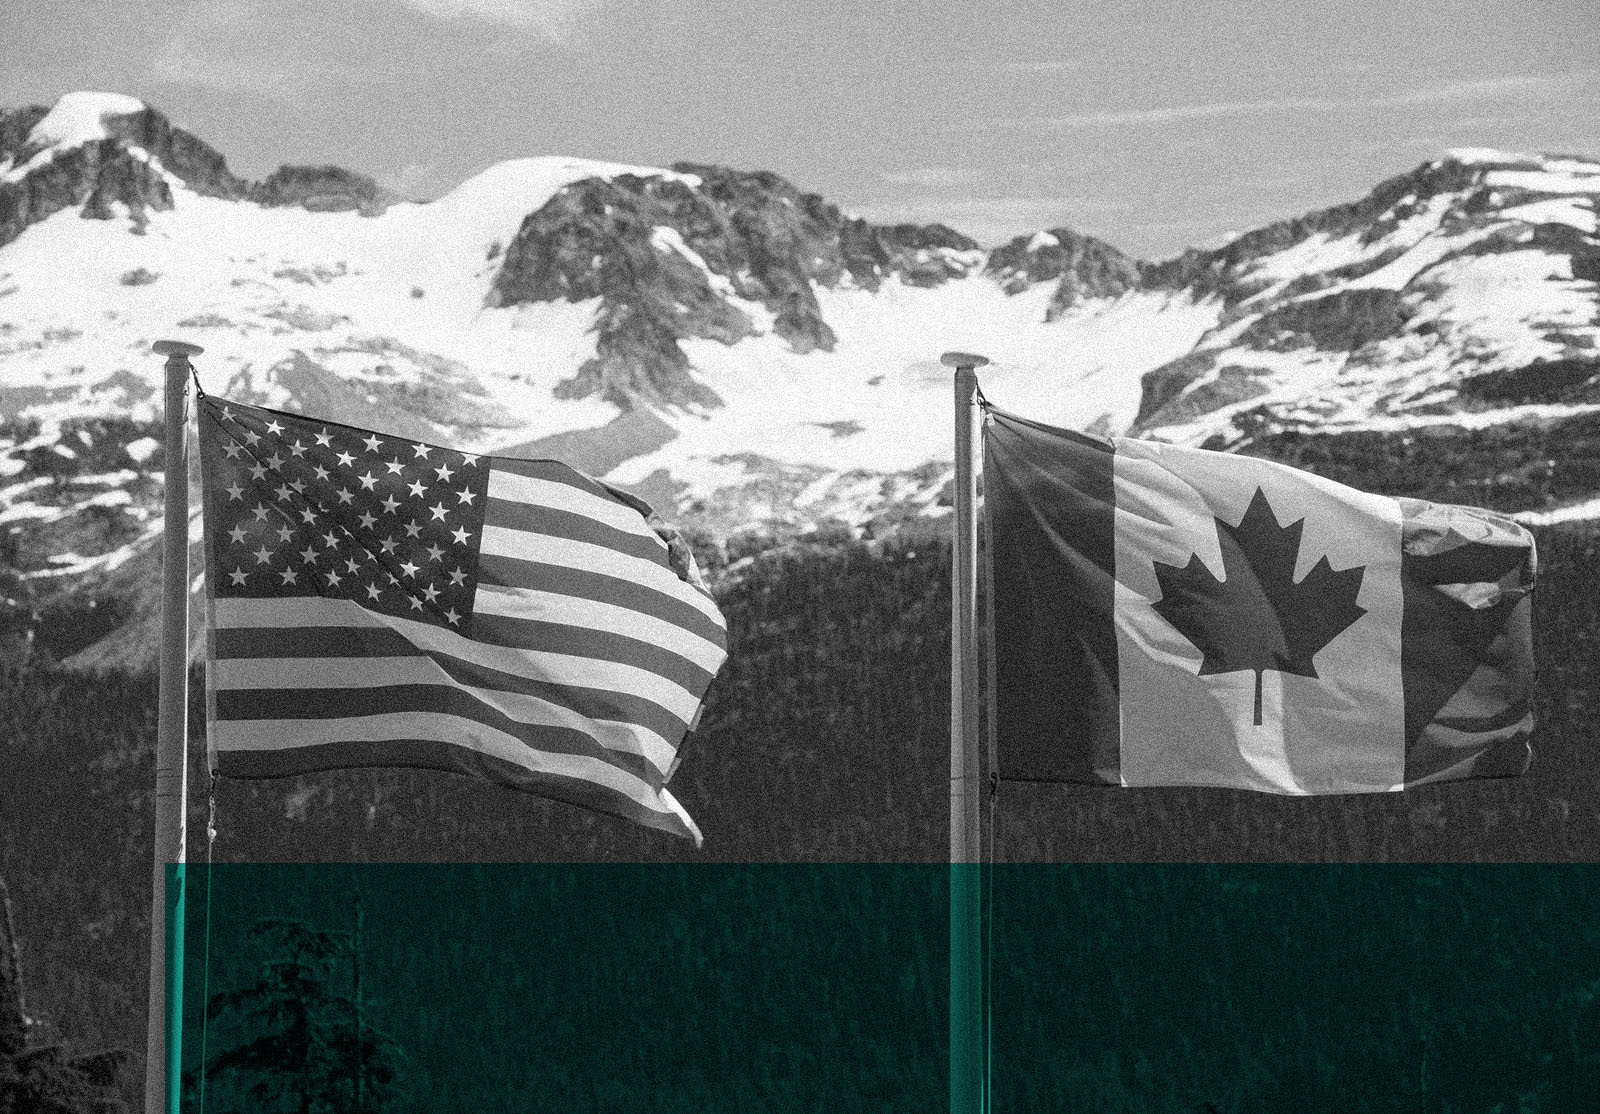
{"type": "Point", "coordinates": [178, 350]}
{"type": "Point", "coordinates": [963, 359]}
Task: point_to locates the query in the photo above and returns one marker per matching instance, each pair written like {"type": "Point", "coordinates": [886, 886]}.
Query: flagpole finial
{"type": "Point", "coordinates": [177, 351]}
{"type": "Point", "coordinates": [959, 360]}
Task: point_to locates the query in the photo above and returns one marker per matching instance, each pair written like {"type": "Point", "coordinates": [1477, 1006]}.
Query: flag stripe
{"type": "Point", "coordinates": [256, 750]}
{"type": "Point", "coordinates": [686, 608]}
{"type": "Point", "coordinates": [598, 615]}
{"type": "Point", "coordinates": [262, 616]}
{"type": "Point", "coordinates": [1049, 499]}
{"type": "Point", "coordinates": [320, 646]}
{"type": "Point", "coordinates": [499, 541]}
{"type": "Point", "coordinates": [286, 677]}
{"type": "Point", "coordinates": [597, 645]}
{"type": "Point", "coordinates": [440, 727]}
{"type": "Point", "coordinates": [569, 492]}
{"type": "Point", "coordinates": [558, 523]}
{"type": "Point", "coordinates": [417, 703]}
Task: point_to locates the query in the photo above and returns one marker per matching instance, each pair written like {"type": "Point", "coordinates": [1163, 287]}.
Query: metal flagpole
{"type": "Point", "coordinates": [966, 997]}
{"type": "Point", "coordinates": [164, 1045]}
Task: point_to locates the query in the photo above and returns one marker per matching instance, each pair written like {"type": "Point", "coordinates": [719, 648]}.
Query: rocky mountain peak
{"type": "Point", "coordinates": [1081, 266]}
{"type": "Point", "coordinates": [705, 252]}
{"type": "Point", "coordinates": [1319, 310]}
{"type": "Point", "coordinates": [100, 151]}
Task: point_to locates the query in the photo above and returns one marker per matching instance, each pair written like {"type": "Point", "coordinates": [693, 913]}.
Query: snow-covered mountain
{"type": "Point", "coordinates": [739, 351]}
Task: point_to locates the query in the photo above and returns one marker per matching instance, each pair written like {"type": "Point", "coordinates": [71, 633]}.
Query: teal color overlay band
{"type": "Point", "coordinates": [701, 987]}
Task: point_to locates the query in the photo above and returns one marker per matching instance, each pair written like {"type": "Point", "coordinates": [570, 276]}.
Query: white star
{"type": "Point", "coordinates": [438, 511]}
{"type": "Point", "coordinates": [308, 555]}
{"type": "Point", "coordinates": [274, 462]}
{"type": "Point", "coordinates": [289, 576]}
{"type": "Point", "coordinates": [274, 427]}
{"type": "Point", "coordinates": [394, 466]}
{"type": "Point", "coordinates": [413, 529]}
{"type": "Point", "coordinates": [372, 442]}
{"type": "Point", "coordinates": [251, 437]}
{"type": "Point", "coordinates": [373, 590]}
{"type": "Point", "coordinates": [232, 450]}
{"type": "Point", "coordinates": [283, 492]}
{"type": "Point", "coordinates": [263, 555]}
{"type": "Point", "coordinates": [421, 450]}
{"type": "Point", "coordinates": [345, 495]}
{"type": "Point", "coordinates": [431, 592]}
{"type": "Point", "coordinates": [457, 576]}
{"type": "Point", "coordinates": [346, 460]}
{"type": "Point", "coordinates": [297, 449]}
{"type": "Point", "coordinates": [234, 491]}
{"type": "Point", "coordinates": [445, 472]}
{"type": "Point", "coordinates": [435, 553]}
{"type": "Point", "coordinates": [461, 536]}
{"type": "Point", "coordinates": [284, 533]}
{"type": "Point", "coordinates": [390, 504]}
{"type": "Point", "coordinates": [395, 580]}
{"type": "Point", "coordinates": [454, 618]}
{"type": "Point", "coordinates": [368, 520]}
{"type": "Point", "coordinates": [468, 459]}
{"type": "Point", "coordinates": [409, 569]}
{"type": "Point", "coordinates": [227, 413]}
{"type": "Point", "coordinates": [466, 496]}
{"type": "Point", "coordinates": [320, 472]}
{"type": "Point", "coordinates": [416, 604]}
{"type": "Point", "coordinates": [333, 577]}
{"type": "Point", "coordinates": [257, 470]}
{"type": "Point", "coordinates": [352, 564]}
{"type": "Point", "coordinates": [388, 544]}
{"type": "Point", "coordinates": [308, 515]}
{"type": "Point", "coordinates": [297, 486]}
{"type": "Point", "coordinates": [417, 489]}
{"type": "Point", "coordinates": [368, 481]}
{"type": "Point", "coordinates": [238, 576]}
{"type": "Point", "coordinates": [331, 539]}
{"type": "Point", "coordinates": [325, 439]}
{"type": "Point", "coordinates": [261, 512]}
{"type": "Point", "coordinates": [237, 534]}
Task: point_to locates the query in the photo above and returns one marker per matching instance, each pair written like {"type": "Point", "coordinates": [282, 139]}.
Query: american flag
{"type": "Point", "coordinates": [378, 601]}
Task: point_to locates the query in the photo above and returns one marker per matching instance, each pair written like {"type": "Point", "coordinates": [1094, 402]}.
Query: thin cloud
{"type": "Point", "coordinates": [560, 21]}
{"type": "Point", "coordinates": [1446, 93]}
{"type": "Point", "coordinates": [238, 45]}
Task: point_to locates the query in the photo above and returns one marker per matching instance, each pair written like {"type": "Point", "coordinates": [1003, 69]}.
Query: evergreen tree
{"type": "Point", "coordinates": [302, 1047]}
{"type": "Point", "coordinates": [39, 1077]}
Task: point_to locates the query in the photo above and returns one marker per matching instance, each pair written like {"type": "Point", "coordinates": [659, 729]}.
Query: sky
{"type": "Point", "coordinates": [1153, 124]}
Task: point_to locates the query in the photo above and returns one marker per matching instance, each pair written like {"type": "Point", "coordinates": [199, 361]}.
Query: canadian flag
{"type": "Point", "coordinates": [1171, 616]}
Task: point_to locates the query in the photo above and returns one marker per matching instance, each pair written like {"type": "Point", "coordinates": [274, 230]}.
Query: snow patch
{"type": "Point", "coordinates": [1559, 210]}
{"type": "Point", "coordinates": [79, 118]}
{"type": "Point", "coordinates": [139, 451]}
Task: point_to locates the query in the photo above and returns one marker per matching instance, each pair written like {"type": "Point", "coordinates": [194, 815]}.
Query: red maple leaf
{"type": "Point", "coordinates": [1256, 617]}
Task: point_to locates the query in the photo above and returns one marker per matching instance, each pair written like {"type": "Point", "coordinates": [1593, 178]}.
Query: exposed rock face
{"type": "Point", "coordinates": [15, 125]}
{"type": "Point", "coordinates": [125, 167]}
{"type": "Point", "coordinates": [200, 166]}
{"type": "Point", "coordinates": [129, 166]}
{"type": "Point", "coordinates": [672, 258]}
{"type": "Point", "coordinates": [1217, 271]}
{"type": "Point", "coordinates": [1082, 267]}
{"type": "Point", "coordinates": [321, 189]}
{"type": "Point", "coordinates": [1321, 311]}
